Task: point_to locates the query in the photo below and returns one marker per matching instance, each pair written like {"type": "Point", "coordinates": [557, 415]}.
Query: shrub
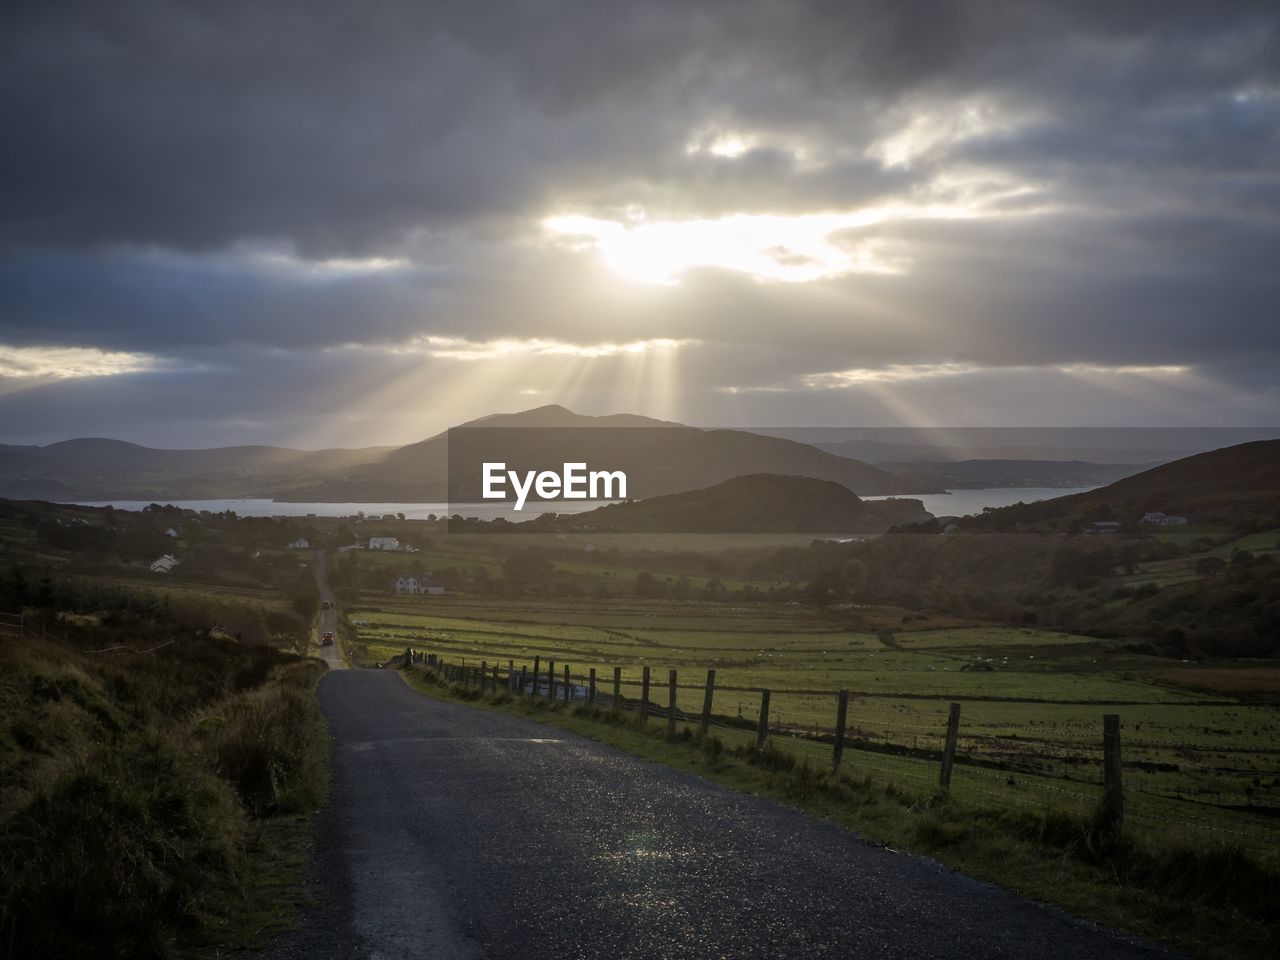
{"type": "Point", "coordinates": [114, 852]}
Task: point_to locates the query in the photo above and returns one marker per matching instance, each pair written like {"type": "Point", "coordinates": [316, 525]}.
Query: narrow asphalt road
{"type": "Point", "coordinates": [328, 619]}
{"type": "Point", "coordinates": [457, 832]}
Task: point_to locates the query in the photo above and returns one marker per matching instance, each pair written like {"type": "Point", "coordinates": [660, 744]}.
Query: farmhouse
{"type": "Point", "coordinates": [1102, 526]}
{"type": "Point", "coordinates": [173, 533]}
{"type": "Point", "coordinates": [1158, 519]}
{"type": "Point", "coordinates": [164, 564]}
{"type": "Point", "coordinates": [408, 583]}
{"type": "Point", "coordinates": [300, 544]}
{"type": "Point", "coordinates": [384, 543]}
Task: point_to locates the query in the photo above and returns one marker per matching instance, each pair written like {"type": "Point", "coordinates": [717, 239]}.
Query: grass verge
{"type": "Point", "coordinates": [1215, 902]}
{"type": "Point", "coordinates": [154, 805]}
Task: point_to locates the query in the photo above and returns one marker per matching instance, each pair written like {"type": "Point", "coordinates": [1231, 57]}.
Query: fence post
{"type": "Point", "coordinates": [644, 695]}
{"type": "Point", "coordinates": [617, 688]}
{"type": "Point", "coordinates": [568, 685]}
{"type": "Point", "coordinates": [842, 717]}
{"type": "Point", "coordinates": [551, 679]}
{"type": "Point", "coordinates": [762, 732]}
{"type": "Point", "coordinates": [671, 704]}
{"type": "Point", "coordinates": [522, 681]}
{"type": "Point", "coordinates": [484, 668]}
{"type": "Point", "coordinates": [511, 676]}
{"type": "Point", "coordinates": [949, 747]}
{"type": "Point", "coordinates": [706, 703]}
{"type": "Point", "coordinates": [408, 656]}
{"type": "Point", "coordinates": [537, 662]}
{"type": "Point", "coordinates": [1113, 788]}
{"type": "Point", "coordinates": [495, 676]}
{"type": "Point", "coordinates": [591, 688]}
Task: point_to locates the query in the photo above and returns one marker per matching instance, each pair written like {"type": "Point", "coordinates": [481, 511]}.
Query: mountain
{"type": "Point", "coordinates": [658, 456]}
{"type": "Point", "coordinates": [759, 503]}
{"type": "Point", "coordinates": [95, 468]}
{"type": "Point", "coordinates": [1229, 484]}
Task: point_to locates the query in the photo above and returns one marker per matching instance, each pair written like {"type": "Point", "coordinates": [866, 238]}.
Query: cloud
{"type": "Point", "coordinates": [825, 198]}
{"type": "Point", "coordinates": [68, 363]}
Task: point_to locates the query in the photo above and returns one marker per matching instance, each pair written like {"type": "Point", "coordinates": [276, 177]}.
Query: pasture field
{"type": "Point", "coordinates": [1201, 743]}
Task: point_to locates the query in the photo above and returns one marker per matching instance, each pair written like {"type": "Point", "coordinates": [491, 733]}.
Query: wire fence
{"type": "Point", "coordinates": [1211, 791]}
{"type": "Point", "coordinates": [18, 626]}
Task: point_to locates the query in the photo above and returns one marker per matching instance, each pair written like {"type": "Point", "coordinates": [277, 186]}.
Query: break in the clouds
{"type": "Point", "coordinates": [330, 223]}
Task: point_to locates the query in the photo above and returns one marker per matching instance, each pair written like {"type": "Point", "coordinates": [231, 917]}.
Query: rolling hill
{"type": "Point", "coordinates": [1233, 483]}
{"type": "Point", "coordinates": [759, 503]}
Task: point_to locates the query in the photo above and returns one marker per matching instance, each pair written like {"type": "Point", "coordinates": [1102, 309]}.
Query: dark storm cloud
{"type": "Point", "coordinates": [190, 180]}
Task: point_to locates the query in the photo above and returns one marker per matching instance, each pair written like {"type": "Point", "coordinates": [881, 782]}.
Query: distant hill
{"type": "Point", "coordinates": [94, 468]}
{"type": "Point", "coordinates": [985, 474]}
{"type": "Point", "coordinates": [1232, 483]}
{"type": "Point", "coordinates": [658, 456]}
{"type": "Point", "coordinates": [1120, 445]}
{"type": "Point", "coordinates": [760, 503]}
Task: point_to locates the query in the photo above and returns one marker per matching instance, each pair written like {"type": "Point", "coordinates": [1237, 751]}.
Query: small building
{"type": "Point", "coordinates": [384, 543]}
{"type": "Point", "coordinates": [1102, 526]}
{"type": "Point", "coordinates": [300, 544]}
{"type": "Point", "coordinates": [1158, 519]}
{"type": "Point", "coordinates": [165, 563]}
{"type": "Point", "coordinates": [426, 584]}
{"type": "Point", "coordinates": [173, 532]}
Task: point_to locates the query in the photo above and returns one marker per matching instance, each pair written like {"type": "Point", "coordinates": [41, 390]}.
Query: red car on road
{"type": "Point", "coordinates": [326, 639]}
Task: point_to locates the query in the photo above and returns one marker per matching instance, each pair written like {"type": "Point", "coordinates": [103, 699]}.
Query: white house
{"type": "Point", "coordinates": [164, 564]}
{"type": "Point", "coordinates": [384, 543]}
{"type": "Point", "coordinates": [171, 532]}
{"type": "Point", "coordinates": [408, 583]}
{"type": "Point", "coordinates": [1159, 519]}
{"type": "Point", "coordinates": [300, 544]}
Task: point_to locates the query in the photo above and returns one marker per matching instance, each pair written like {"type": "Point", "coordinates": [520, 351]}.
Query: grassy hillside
{"type": "Point", "coordinates": [150, 798]}
{"type": "Point", "coordinates": [1224, 485]}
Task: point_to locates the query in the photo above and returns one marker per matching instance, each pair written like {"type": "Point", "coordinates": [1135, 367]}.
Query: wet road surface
{"type": "Point", "coordinates": [327, 622]}
{"type": "Point", "coordinates": [456, 832]}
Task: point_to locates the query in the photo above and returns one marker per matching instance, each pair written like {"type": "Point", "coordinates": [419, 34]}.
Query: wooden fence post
{"type": "Point", "coordinates": [706, 703]}
{"type": "Point", "coordinates": [644, 695]}
{"type": "Point", "coordinates": [1113, 787]}
{"type": "Point", "coordinates": [551, 679]}
{"type": "Point", "coordinates": [762, 732]}
{"type": "Point", "coordinates": [537, 662]}
{"type": "Point", "coordinates": [496, 675]}
{"type": "Point", "coordinates": [671, 704]}
{"type": "Point", "coordinates": [591, 688]}
{"type": "Point", "coordinates": [949, 747]}
{"type": "Point", "coordinates": [842, 718]}
{"type": "Point", "coordinates": [617, 688]}
{"type": "Point", "coordinates": [511, 676]}
{"type": "Point", "coordinates": [484, 669]}
{"type": "Point", "coordinates": [568, 685]}
{"type": "Point", "coordinates": [522, 680]}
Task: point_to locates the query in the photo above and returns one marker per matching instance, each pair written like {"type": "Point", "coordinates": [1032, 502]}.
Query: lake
{"type": "Point", "coordinates": [957, 503]}
{"type": "Point", "coordinates": [965, 503]}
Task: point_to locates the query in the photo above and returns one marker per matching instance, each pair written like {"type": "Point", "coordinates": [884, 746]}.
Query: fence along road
{"type": "Point", "coordinates": [456, 832]}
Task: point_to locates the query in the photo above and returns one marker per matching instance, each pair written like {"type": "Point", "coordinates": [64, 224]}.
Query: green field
{"type": "Point", "coordinates": [1200, 763]}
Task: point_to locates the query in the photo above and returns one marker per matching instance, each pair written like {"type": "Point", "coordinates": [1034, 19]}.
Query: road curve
{"type": "Point", "coordinates": [455, 832]}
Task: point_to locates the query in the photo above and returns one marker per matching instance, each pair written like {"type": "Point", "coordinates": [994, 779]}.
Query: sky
{"type": "Point", "coordinates": [341, 224]}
